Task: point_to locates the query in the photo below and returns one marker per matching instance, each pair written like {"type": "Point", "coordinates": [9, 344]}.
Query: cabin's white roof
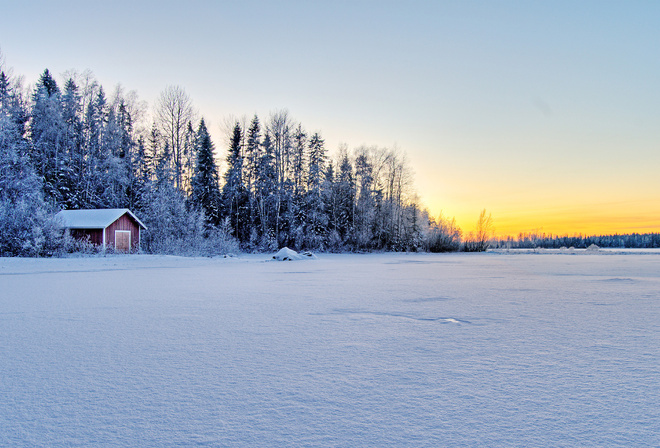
{"type": "Point", "coordinates": [93, 219]}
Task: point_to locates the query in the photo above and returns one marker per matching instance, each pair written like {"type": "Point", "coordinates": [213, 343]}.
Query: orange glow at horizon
{"type": "Point", "coordinates": [585, 219]}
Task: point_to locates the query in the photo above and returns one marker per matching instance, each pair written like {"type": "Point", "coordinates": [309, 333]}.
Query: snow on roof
{"type": "Point", "coordinates": [93, 219]}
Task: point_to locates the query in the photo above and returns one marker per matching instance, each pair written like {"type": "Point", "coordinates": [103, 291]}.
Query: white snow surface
{"type": "Point", "coordinates": [423, 350]}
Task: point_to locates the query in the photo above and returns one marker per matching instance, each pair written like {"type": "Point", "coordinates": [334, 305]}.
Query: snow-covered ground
{"type": "Point", "coordinates": [346, 350]}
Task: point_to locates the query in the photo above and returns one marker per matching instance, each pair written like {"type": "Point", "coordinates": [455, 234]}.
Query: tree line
{"type": "Point", "coordinates": [533, 240]}
{"type": "Point", "coordinates": [76, 147]}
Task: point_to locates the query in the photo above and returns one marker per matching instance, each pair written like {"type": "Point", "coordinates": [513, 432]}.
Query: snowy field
{"type": "Point", "coordinates": [373, 350]}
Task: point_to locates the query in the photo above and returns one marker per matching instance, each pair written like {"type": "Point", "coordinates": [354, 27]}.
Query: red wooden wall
{"type": "Point", "coordinates": [123, 223]}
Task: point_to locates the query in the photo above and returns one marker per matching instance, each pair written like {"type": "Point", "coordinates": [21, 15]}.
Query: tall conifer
{"type": "Point", "coordinates": [205, 185]}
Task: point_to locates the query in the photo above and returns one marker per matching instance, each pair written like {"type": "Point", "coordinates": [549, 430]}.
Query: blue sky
{"type": "Point", "coordinates": [544, 113]}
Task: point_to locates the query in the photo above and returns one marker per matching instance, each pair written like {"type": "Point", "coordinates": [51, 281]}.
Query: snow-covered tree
{"type": "Point", "coordinates": [345, 192]}
{"type": "Point", "coordinates": [266, 195]}
{"type": "Point", "coordinates": [85, 150]}
{"type": "Point", "coordinates": [174, 113]}
{"type": "Point", "coordinates": [316, 223]}
{"type": "Point", "coordinates": [442, 234]}
{"type": "Point", "coordinates": [252, 154]}
{"type": "Point", "coordinates": [234, 193]}
{"type": "Point", "coordinates": [365, 206]}
{"type": "Point", "coordinates": [205, 192]}
{"type": "Point", "coordinates": [47, 135]}
{"type": "Point", "coordinates": [27, 226]}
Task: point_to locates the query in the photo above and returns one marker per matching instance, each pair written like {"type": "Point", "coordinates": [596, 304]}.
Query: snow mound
{"type": "Point", "coordinates": [286, 254]}
{"type": "Point", "coordinates": [593, 248]}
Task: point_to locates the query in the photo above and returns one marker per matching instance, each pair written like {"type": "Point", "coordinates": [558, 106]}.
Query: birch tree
{"type": "Point", "coordinates": [175, 112]}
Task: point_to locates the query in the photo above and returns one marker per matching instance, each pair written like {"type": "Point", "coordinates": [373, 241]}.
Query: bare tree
{"type": "Point", "coordinates": [479, 240]}
{"type": "Point", "coordinates": [442, 234]}
{"type": "Point", "coordinates": [280, 128]}
{"type": "Point", "coordinates": [174, 113]}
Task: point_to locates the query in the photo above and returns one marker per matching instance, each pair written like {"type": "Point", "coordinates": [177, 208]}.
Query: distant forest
{"type": "Point", "coordinates": [534, 240]}
{"type": "Point", "coordinates": [72, 146]}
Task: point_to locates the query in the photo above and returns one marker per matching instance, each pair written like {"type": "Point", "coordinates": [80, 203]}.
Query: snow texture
{"type": "Point", "coordinates": [375, 350]}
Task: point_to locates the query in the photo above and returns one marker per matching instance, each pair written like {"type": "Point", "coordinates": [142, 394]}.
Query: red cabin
{"type": "Point", "coordinates": [116, 228]}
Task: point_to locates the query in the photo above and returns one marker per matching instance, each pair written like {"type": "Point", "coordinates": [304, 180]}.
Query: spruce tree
{"type": "Point", "coordinates": [365, 202]}
{"type": "Point", "coordinates": [265, 191]}
{"type": "Point", "coordinates": [345, 191]}
{"type": "Point", "coordinates": [234, 196]}
{"type": "Point", "coordinates": [26, 224]}
{"type": "Point", "coordinates": [252, 153]}
{"type": "Point", "coordinates": [4, 89]}
{"type": "Point", "coordinates": [47, 131]}
{"type": "Point", "coordinates": [74, 165]}
{"type": "Point", "coordinates": [250, 167]}
{"type": "Point", "coordinates": [330, 199]}
{"type": "Point", "coordinates": [96, 117]}
{"type": "Point", "coordinates": [298, 159]}
{"type": "Point", "coordinates": [316, 219]}
{"type": "Point", "coordinates": [205, 186]}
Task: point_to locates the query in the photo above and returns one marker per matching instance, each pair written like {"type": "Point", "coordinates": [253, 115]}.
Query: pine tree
{"type": "Point", "coordinates": [126, 157]}
{"type": "Point", "coordinates": [365, 203]}
{"type": "Point", "coordinates": [115, 163]}
{"type": "Point", "coordinates": [250, 170]}
{"type": "Point", "coordinates": [152, 151]}
{"type": "Point", "coordinates": [95, 148]}
{"type": "Point", "coordinates": [345, 192]}
{"type": "Point", "coordinates": [205, 186]}
{"type": "Point", "coordinates": [234, 197]}
{"type": "Point", "coordinates": [163, 172]}
{"type": "Point", "coordinates": [17, 177]}
{"type": "Point", "coordinates": [47, 136]}
{"type": "Point", "coordinates": [48, 83]}
{"type": "Point", "coordinates": [316, 219]}
{"type": "Point", "coordinates": [298, 159]}
{"type": "Point", "coordinates": [189, 158]}
{"type": "Point", "coordinates": [5, 90]}
{"type": "Point", "coordinates": [331, 201]}
{"type": "Point", "coordinates": [27, 227]}
{"type": "Point", "coordinates": [265, 190]}
{"type": "Point", "coordinates": [72, 143]}
{"type": "Point", "coordinates": [141, 183]}
{"type": "Point", "coordinates": [252, 153]}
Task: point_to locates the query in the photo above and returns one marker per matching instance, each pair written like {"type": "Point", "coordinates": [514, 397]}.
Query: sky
{"type": "Point", "coordinates": [546, 114]}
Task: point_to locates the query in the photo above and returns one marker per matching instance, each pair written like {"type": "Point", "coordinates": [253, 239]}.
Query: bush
{"type": "Point", "coordinates": [28, 230]}
{"type": "Point", "coordinates": [442, 236]}
{"type": "Point", "coordinates": [173, 229]}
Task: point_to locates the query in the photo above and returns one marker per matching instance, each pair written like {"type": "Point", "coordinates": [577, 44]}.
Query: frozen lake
{"type": "Point", "coordinates": [346, 350]}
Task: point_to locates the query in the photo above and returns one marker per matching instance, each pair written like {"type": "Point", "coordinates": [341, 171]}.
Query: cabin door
{"type": "Point", "coordinates": [122, 240]}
